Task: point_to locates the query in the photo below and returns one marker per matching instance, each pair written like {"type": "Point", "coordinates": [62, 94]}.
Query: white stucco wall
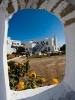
{"type": "Point", "coordinates": [70, 56]}
{"type": "Point", "coordinates": [56, 43]}
{"type": "Point", "coordinates": [53, 48]}
{"type": "Point", "coordinates": [10, 43]}
{"type": "Point", "coordinates": [44, 93]}
{"type": "Point", "coordinates": [29, 45]}
{"type": "Point", "coordinates": [4, 82]}
{"type": "Point", "coordinates": [50, 44]}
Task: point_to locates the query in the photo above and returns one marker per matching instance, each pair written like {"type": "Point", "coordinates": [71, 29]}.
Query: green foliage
{"type": "Point", "coordinates": [11, 63]}
{"type": "Point", "coordinates": [31, 82]}
{"type": "Point", "coordinates": [63, 48]}
{"type": "Point", "coordinates": [20, 49]}
{"type": "Point", "coordinates": [16, 72]}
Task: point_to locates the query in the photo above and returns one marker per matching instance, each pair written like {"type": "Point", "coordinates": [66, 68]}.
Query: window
{"type": "Point", "coordinates": [13, 43]}
{"type": "Point", "coordinates": [41, 42]}
{"type": "Point", "coordinates": [17, 43]}
{"type": "Point", "coordinates": [47, 43]}
{"type": "Point", "coordinates": [26, 48]}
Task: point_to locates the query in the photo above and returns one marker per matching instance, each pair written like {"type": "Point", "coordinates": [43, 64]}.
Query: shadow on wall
{"type": "Point", "coordinates": [58, 92]}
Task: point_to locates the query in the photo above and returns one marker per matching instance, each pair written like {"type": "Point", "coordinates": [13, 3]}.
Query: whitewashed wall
{"type": "Point", "coordinates": [29, 45]}
{"type": "Point", "coordinates": [10, 43]}
{"type": "Point", "coordinates": [4, 82]}
{"type": "Point", "coordinates": [44, 93]}
{"type": "Point", "coordinates": [50, 43]}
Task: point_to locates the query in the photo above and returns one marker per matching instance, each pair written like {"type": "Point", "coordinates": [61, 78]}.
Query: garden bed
{"type": "Point", "coordinates": [10, 56]}
{"type": "Point", "coordinates": [30, 75]}
{"type": "Point", "coordinates": [16, 72]}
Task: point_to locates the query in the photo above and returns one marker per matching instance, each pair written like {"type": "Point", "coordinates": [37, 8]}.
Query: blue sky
{"type": "Point", "coordinates": [30, 24]}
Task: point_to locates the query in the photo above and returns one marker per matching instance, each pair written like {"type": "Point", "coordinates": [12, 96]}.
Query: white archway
{"type": "Point", "coordinates": [65, 11]}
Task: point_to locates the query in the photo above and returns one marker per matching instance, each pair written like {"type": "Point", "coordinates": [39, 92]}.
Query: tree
{"type": "Point", "coordinates": [63, 48]}
{"type": "Point", "coordinates": [20, 49]}
{"type": "Point", "coordinates": [22, 44]}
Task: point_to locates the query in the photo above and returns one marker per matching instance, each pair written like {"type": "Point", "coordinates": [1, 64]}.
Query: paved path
{"type": "Point", "coordinates": [20, 59]}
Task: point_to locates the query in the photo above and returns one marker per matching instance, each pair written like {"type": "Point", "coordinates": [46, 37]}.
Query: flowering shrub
{"type": "Point", "coordinates": [34, 81]}
{"type": "Point", "coordinates": [17, 70]}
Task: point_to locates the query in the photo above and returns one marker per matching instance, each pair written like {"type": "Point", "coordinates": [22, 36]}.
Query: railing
{"type": "Point", "coordinates": [40, 48]}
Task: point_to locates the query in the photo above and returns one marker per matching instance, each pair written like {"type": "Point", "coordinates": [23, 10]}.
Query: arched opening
{"type": "Point", "coordinates": [59, 8]}
{"type": "Point", "coordinates": [36, 29]}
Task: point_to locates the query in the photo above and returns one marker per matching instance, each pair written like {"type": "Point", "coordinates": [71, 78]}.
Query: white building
{"type": "Point", "coordinates": [29, 46]}
{"type": "Point", "coordinates": [12, 45]}
{"type": "Point", "coordinates": [50, 44]}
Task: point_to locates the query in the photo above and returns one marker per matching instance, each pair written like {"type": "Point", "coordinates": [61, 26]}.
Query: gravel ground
{"type": "Point", "coordinates": [48, 67]}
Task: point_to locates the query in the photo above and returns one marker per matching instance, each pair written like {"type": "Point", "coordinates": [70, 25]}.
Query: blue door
{"type": "Point", "coordinates": [34, 49]}
{"type": "Point", "coordinates": [48, 49]}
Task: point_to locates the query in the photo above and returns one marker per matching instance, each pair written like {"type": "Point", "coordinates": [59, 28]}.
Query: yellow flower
{"type": "Point", "coordinates": [43, 80]}
{"type": "Point", "coordinates": [15, 64]}
{"type": "Point", "coordinates": [21, 85]}
{"type": "Point", "coordinates": [21, 64]}
{"type": "Point", "coordinates": [8, 67]}
{"type": "Point", "coordinates": [54, 81]}
{"type": "Point", "coordinates": [34, 86]}
{"type": "Point", "coordinates": [33, 74]}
